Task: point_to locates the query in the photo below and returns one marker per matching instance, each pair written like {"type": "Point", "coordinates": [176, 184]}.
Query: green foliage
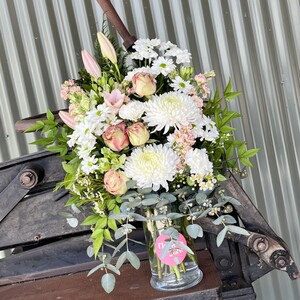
{"type": "Point", "coordinates": [226, 152]}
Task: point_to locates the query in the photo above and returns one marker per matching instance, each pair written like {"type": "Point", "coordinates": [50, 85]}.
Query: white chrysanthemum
{"type": "Point", "coordinates": [171, 109]}
{"type": "Point", "coordinates": [178, 84]}
{"type": "Point", "coordinates": [199, 163]}
{"type": "Point", "coordinates": [152, 166]}
{"type": "Point", "coordinates": [206, 129]}
{"type": "Point", "coordinates": [132, 111]}
{"type": "Point", "coordinates": [163, 65]}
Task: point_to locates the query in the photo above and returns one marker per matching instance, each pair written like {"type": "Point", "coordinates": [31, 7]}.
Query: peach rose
{"type": "Point", "coordinates": [143, 84]}
{"type": "Point", "coordinates": [115, 182]}
{"type": "Point", "coordinates": [138, 134]}
{"type": "Point", "coordinates": [115, 137]}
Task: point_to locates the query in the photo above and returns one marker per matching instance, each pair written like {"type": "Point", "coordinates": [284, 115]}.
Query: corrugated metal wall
{"type": "Point", "coordinates": [256, 43]}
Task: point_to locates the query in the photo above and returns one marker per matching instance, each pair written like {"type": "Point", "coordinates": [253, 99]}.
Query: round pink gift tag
{"type": "Point", "coordinates": [175, 255]}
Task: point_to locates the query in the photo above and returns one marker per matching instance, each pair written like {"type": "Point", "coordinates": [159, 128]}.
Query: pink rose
{"type": "Point", "coordinates": [143, 84]}
{"type": "Point", "coordinates": [115, 137]}
{"type": "Point", "coordinates": [114, 100]}
{"type": "Point", "coordinates": [115, 182]}
{"type": "Point", "coordinates": [138, 134]}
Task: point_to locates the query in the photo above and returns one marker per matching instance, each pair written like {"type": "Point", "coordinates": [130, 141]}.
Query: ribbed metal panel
{"type": "Point", "coordinates": [256, 43]}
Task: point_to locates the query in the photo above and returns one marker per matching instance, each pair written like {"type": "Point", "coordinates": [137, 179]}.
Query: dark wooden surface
{"type": "Point", "coordinates": [132, 284]}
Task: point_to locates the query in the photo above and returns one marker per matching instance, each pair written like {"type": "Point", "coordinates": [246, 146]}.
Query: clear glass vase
{"type": "Point", "coordinates": [174, 269]}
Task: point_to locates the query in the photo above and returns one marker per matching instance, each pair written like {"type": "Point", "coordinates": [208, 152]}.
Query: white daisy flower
{"type": "Point", "coordinates": [89, 164]}
{"type": "Point", "coordinates": [206, 129]}
{"type": "Point", "coordinates": [163, 65]}
{"type": "Point", "coordinates": [144, 48]}
{"type": "Point", "coordinates": [183, 56]}
{"type": "Point", "coordinates": [199, 163]}
{"type": "Point", "coordinates": [166, 45]}
{"type": "Point", "coordinates": [132, 111]}
{"type": "Point", "coordinates": [178, 84]}
{"type": "Point", "coordinates": [171, 109]}
{"type": "Point", "coordinates": [152, 166]}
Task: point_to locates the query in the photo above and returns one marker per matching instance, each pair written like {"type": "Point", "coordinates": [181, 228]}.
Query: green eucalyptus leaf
{"type": "Point", "coordinates": [117, 216]}
{"type": "Point", "coordinates": [238, 230]}
{"type": "Point", "coordinates": [162, 203]}
{"type": "Point", "coordinates": [121, 260]}
{"type": "Point", "coordinates": [108, 282]}
{"type": "Point", "coordinates": [113, 269]}
{"type": "Point", "coordinates": [75, 209]}
{"type": "Point", "coordinates": [231, 200]}
{"type": "Point", "coordinates": [138, 217]}
{"type": "Point", "coordinates": [148, 202]}
{"type": "Point", "coordinates": [158, 218]}
{"type": "Point", "coordinates": [229, 219]}
{"type": "Point", "coordinates": [172, 232]}
{"type": "Point", "coordinates": [90, 251]}
{"type": "Point", "coordinates": [65, 214]}
{"type": "Point", "coordinates": [133, 259]}
{"type": "Point", "coordinates": [219, 220]}
{"type": "Point", "coordinates": [73, 222]}
{"type": "Point", "coordinates": [194, 230]}
{"type": "Point", "coordinates": [200, 197]}
{"type": "Point", "coordinates": [184, 247]}
{"type": "Point", "coordinates": [95, 269]}
{"type": "Point", "coordinates": [204, 213]}
{"type": "Point", "coordinates": [119, 247]}
{"type": "Point", "coordinates": [221, 236]}
{"type": "Point", "coordinates": [171, 198]}
{"type": "Point", "coordinates": [129, 195]}
{"type": "Point", "coordinates": [166, 249]}
{"type": "Point", "coordinates": [131, 184]}
{"type": "Point", "coordinates": [144, 191]}
{"type": "Point", "coordinates": [174, 216]}
{"type": "Point", "coordinates": [128, 226]}
{"type": "Point", "coordinates": [119, 233]}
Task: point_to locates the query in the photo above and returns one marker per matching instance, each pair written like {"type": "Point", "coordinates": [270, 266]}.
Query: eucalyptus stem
{"type": "Point", "coordinates": [183, 267]}
{"type": "Point", "coordinates": [176, 271]}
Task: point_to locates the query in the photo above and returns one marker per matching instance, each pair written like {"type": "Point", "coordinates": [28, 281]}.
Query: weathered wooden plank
{"type": "Point", "coordinates": [132, 284]}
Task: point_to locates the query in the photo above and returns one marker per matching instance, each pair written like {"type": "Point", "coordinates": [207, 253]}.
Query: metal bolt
{"type": "Point", "coordinates": [260, 244]}
{"type": "Point", "coordinates": [281, 262]}
{"type": "Point", "coordinates": [28, 179]}
{"type": "Point", "coordinates": [37, 237]}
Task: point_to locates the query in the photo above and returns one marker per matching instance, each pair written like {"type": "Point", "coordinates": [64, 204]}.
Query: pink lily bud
{"type": "Point", "coordinates": [107, 48]}
{"type": "Point", "coordinates": [68, 119]}
{"type": "Point", "coordinates": [91, 64]}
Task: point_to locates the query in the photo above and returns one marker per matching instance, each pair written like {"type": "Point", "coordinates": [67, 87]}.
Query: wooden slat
{"type": "Point", "coordinates": [132, 284]}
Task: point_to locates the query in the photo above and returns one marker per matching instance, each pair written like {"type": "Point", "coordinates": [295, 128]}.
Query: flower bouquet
{"type": "Point", "coordinates": [144, 141]}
